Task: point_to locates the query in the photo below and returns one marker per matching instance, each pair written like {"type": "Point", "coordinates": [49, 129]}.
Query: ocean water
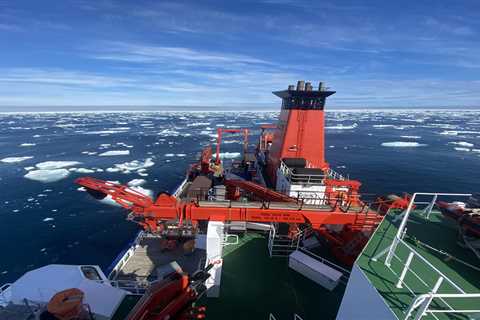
{"type": "Point", "coordinates": [45, 218]}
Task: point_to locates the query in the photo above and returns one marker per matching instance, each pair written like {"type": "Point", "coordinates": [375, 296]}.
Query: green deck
{"type": "Point", "coordinates": [255, 285]}
{"type": "Point", "coordinates": [437, 232]}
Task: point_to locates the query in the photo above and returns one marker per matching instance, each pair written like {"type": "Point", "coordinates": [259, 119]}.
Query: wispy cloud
{"type": "Point", "coordinates": [129, 52]}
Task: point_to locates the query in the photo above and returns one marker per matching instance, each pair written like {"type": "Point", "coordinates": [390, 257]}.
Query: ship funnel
{"type": "Point", "coordinates": [320, 86]}
{"type": "Point", "coordinates": [301, 85]}
{"type": "Point", "coordinates": [308, 86]}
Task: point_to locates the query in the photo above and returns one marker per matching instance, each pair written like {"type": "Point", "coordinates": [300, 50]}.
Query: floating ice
{"type": "Point", "coordinates": [48, 219]}
{"type": "Point", "coordinates": [402, 144]}
{"type": "Point", "coordinates": [115, 153]}
{"type": "Point", "coordinates": [342, 127]}
{"type": "Point", "coordinates": [229, 155]}
{"type": "Point", "coordinates": [47, 175]}
{"type": "Point", "coordinates": [15, 159]}
{"type": "Point", "coordinates": [169, 155]}
{"type": "Point", "coordinates": [147, 192]}
{"type": "Point", "coordinates": [462, 149]}
{"type": "Point", "coordinates": [411, 137]}
{"type": "Point", "coordinates": [132, 166]}
{"type": "Point", "coordinates": [136, 182]}
{"type": "Point", "coordinates": [28, 144]}
{"type": "Point", "coordinates": [82, 170]}
{"type": "Point", "coordinates": [462, 143]}
{"type": "Point", "coordinates": [51, 165]}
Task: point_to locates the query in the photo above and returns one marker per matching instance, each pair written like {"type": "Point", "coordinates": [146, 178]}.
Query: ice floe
{"type": "Point", "coordinates": [15, 159]}
{"type": "Point", "coordinates": [82, 170]}
{"type": "Point", "coordinates": [112, 153]}
{"type": "Point", "coordinates": [48, 219]}
{"type": "Point", "coordinates": [411, 137]}
{"type": "Point", "coordinates": [51, 165]}
{"type": "Point", "coordinates": [342, 127]}
{"type": "Point", "coordinates": [28, 144]}
{"type": "Point", "coordinates": [47, 175]}
{"type": "Point", "coordinates": [229, 155]}
{"type": "Point", "coordinates": [462, 143]}
{"type": "Point", "coordinates": [462, 149]}
{"type": "Point", "coordinates": [130, 166]}
{"type": "Point", "coordinates": [402, 144]}
{"type": "Point", "coordinates": [136, 182]}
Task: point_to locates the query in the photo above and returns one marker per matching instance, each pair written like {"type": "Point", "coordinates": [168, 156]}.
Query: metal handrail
{"type": "Point", "coordinates": [424, 301]}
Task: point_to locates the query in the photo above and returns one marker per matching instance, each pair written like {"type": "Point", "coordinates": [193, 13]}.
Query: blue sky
{"type": "Point", "coordinates": [234, 53]}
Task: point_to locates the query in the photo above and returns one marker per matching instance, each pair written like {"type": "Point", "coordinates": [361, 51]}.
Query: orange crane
{"type": "Point", "coordinates": [167, 208]}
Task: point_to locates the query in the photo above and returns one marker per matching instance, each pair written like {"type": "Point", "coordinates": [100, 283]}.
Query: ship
{"type": "Point", "coordinates": [277, 234]}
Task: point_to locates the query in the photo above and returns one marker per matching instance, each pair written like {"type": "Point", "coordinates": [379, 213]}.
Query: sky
{"type": "Point", "coordinates": [64, 53]}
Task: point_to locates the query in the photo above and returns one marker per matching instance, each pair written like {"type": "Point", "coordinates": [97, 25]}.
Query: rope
{"type": "Point", "coordinates": [448, 255]}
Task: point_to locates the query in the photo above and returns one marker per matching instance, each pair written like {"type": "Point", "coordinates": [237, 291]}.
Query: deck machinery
{"type": "Point", "coordinates": [286, 186]}
{"type": "Point", "coordinates": [285, 181]}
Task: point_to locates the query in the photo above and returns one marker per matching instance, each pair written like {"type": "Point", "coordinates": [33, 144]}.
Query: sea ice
{"type": "Point", "coordinates": [115, 153]}
{"type": "Point", "coordinates": [15, 159]}
{"type": "Point", "coordinates": [229, 155]}
{"type": "Point", "coordinates": [402, 144]}
{"type": "Point", "coordinates": [136, 182]}
{"type": "Point", "coordinates": [52, 165]}
{"type": "Point", "coordinates": [82, 170]}
{"type": "Point", "coordinates": [342, 127]}
{"type": "Point", "coordinates": [462, 143]}
{"type": "Point", "coordinates": [47, 175]}
{"type": "Point", "coordinates": [134, 165]}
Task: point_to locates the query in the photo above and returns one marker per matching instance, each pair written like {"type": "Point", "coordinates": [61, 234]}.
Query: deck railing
{"type": "Point", "coordinates": [295, 178]}
{"type": "Point", "coordinates": [123, 258]}
{"type": "Point", "coordinates": [432, 294]}
{"type": "Point", "coordinates": [3, 294]}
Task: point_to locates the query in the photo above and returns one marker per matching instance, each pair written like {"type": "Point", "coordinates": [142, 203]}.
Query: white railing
{"type": "Point", "coordinates": [4, 299]}
{"type": "Point", "coordinates": [282, 245]}
{"type": "Point", "coordinates": [295, 317]}
{"type": "Point", "coordinates": [134, 287]}
{"type": "Point", "coordinates": [180, 188]}
{"type": "Point", "coordinates": [332, 174]}
{"type": "Point", "coordinates": [422, 305]}
{"type": "Point", "coordinates": [401, 229]}
{"type": "Point", "coordinates": [399, 258]}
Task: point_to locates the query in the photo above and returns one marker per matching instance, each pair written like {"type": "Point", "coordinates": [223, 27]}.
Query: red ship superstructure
{"type": "Point", "coordinates": [285, 182]}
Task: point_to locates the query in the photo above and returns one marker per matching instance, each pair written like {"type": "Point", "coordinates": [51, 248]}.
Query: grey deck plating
{"type": "Point", "coordinates": [149, 255]}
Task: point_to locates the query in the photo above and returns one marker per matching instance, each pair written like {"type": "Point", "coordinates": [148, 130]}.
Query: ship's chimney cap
{"type": "Point", "coordinates": [300, 85]}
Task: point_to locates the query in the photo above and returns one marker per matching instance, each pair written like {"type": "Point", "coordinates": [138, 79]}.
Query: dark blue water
{"type": "Point", "coordinates": [53, 222]}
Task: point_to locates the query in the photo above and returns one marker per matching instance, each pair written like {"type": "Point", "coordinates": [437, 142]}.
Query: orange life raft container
{"type": "Point", "coordinates": [66, 304]}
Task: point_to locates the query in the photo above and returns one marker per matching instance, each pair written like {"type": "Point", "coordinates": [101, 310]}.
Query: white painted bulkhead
{"type": "Point", "coordinates": [315, 192]}
{"type": "Point", "coordinates": [214, 245]}
{"type": "Point", "coordinates": [361, 300]}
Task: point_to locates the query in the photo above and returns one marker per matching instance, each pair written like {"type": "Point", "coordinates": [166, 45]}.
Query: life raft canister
{"type": "Point", "coordinates": [66, 304]}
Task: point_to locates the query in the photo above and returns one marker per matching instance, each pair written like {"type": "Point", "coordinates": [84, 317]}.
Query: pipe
{"type": "Point", "coordinates": [300, 85]}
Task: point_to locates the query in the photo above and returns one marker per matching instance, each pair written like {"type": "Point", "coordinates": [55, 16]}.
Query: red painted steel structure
{"type": "Point", "coordinates": [300, 130]}
{"type": "Point", "coordinates": [220, 132]}
{"type": "Point", "coordinates": [167, 207]}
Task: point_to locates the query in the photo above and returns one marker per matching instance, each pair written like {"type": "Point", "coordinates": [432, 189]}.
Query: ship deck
{"type": "Point", "coordinates": [255, 286]}
{"type": "Point", "coordinates": [435, 240]}
{"type": "Point", "coordinates": [150, 255]}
